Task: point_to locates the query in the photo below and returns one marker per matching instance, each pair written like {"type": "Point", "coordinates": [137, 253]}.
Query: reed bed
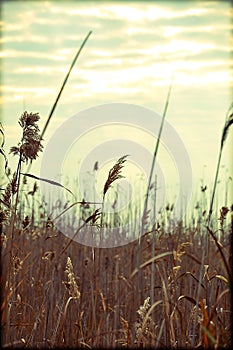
{"type": "Point", "coordinates": [89, 297]}
{"type": "Point", "coordinates": [171, 288]}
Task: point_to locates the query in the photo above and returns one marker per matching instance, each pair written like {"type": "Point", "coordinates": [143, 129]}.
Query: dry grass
{"type": "Point", "coordinates": [87, 297]}
{"type": "Point", "coordinates": [56, 292]}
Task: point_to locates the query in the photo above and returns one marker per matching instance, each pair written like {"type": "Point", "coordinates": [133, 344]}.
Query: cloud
{"type": "Point", "coordinates": [130, 56]}
{"type": "Point", "coordinates": [30, 54]}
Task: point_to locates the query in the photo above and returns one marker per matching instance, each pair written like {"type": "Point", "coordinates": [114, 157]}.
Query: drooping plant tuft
{"type": "Point", "coordinates": [114, 173]}
{"type": "Point", "coordinates": [228, 123]}
{"type": "Point", "coordinates": [30, 144]}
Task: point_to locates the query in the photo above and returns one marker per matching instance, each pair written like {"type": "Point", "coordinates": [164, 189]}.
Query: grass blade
{"type": "Point", "coordinates": [222, 255]}
{"type": "Point", "coordinates": [228, 123]}
{"type": "Point", "coordinates": [60, 92]}
{"type": "Point", "coordinates": [157, 147]}
{"type": "Point", "coordinates": [72, 205]}
{"type": "Point", "coordinates": [63, 85]}
{"type": "Point", "coordinates": [48, 181]}
{"type": "Point", "coordinates": [155, 258]}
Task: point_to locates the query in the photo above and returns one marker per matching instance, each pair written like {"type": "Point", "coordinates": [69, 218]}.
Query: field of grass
{"type": "Point", "coordinates": [170, 289]}
{"type": "Point", "coordinates": [90, 297]}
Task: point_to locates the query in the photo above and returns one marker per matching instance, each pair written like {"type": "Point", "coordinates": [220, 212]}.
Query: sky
{"type": "Point", "coordinates": [130, 58]}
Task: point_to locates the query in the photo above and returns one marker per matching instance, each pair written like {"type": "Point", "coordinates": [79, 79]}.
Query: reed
{"type": "Point", "coordinates": [113, 175]}
{"type": "Point", "coordinates": [228, 123]}
{"type": "Point", "coordinates": [43, 313]}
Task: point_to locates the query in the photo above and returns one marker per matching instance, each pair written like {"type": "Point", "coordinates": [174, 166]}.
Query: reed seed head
{"type": "Point", "coordinates": [143, 333]}
{"type": "Point", "coordinates": [223, 214]}
{"type": "Point", "coordinates": [114, 173]}
{"type": "Point", "coordinates": [30, 143]}
{"type": "Point", "coordinates": [10, 190]}
{"type": "Point", "coordinates": [71, 285]}
{"type": "Point", "coordinates": [227, 125]}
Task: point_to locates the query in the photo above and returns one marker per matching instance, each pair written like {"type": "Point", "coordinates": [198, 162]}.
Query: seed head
{"type": "Point", "coordinates": [114, 173]}
{"type": "Point", "coordinates": [30, 143]}
{"type": "Point", "coordinates": [71, 285]}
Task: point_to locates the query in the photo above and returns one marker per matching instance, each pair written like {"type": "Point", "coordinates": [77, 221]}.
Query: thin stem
{"type": "Point", "coordinates": [205, 246]}
{"type": "Point", "coordinates": [157, 148]}
{"type": "Point", "coordinates": [215, 186]}
{"type": "Point", "coordinates": [13, 216]}
{"type": "Point", "coordinates": [63, 85]}
{"type": "Point", "coordinates": [102, 221]}
{"type": "Point", "coordinates": [102, 212]}
{"type": "Point", "coordinates": [60, 92]}
{"type": "Point", "coordinates": [149, 184]}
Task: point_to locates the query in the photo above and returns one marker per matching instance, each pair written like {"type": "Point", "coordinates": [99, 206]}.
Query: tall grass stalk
{"type": "Point", "coordinates": [113, 175]}
{"type": "Point", "coordinates": [205, 249]}
{"type": "Point", "coordinates": [64, 84]}
{"type": "Point", "coordinates": [27, 149]}
{"type": "Point", "coordinates": [61, 90]}
{"type": "Point", "coordinates": [228, 123]}
{"type": "Point", "coordinates": [157, 147]}
{"type": "Point", "coordinates": [145, 213]}
{"type": "Point", "coordinates": [153, 246]}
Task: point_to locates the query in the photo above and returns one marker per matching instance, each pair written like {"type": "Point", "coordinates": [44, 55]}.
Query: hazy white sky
{"type": "Point", "coordinates": [130, 57]}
